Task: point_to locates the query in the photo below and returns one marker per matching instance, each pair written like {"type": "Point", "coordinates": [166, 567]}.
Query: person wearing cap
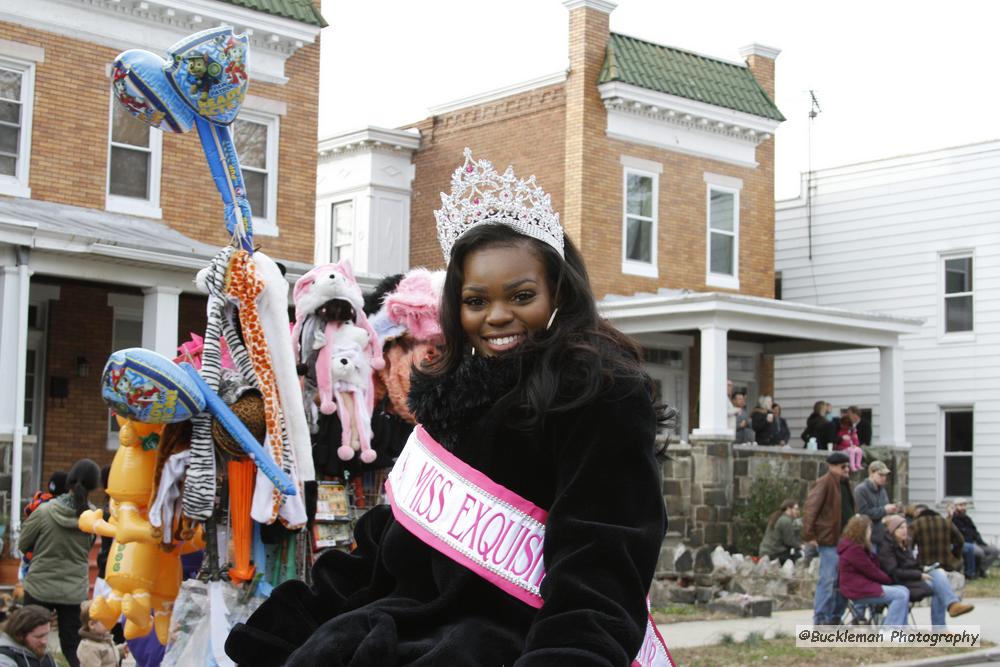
{"type": "Point", "coordinates": [976, 548]}
{"type": "Point", "coordinates": [897, 560]}
{"type": "Point", "coordinates": [871, 499]}
{"type": "Point", "coordinates": [828, 508]}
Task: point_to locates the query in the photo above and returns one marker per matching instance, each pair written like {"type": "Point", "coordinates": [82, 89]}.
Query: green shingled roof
{"type": "Point", "coordinates": [685, 74]}
{"type": "Point", "coordinates": [298, 10]}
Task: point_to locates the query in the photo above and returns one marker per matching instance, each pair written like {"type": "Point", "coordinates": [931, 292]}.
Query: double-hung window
{"type": "Point", "coordinates": [723, 231]}
{"type": "Point", "coordinates": [640, 193]}
{"type": "Point", "coordinates": [342, 231]}
{"type": "Point", "coordinates": [958, 301]}
{"type": "Point", "coordinates": [958, 436]}
{"type": "Point", "coordinates": [17, 83]}
{"type": "Point", "coordinates": [255, 136]}
{"type": "Point", "coordinates": [134, 160]}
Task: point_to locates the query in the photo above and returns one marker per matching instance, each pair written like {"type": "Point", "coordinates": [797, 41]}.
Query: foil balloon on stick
{"type": "Point", "coordinates": [202, 84]}
{"type": "Point", "coordinates": [144, 386]}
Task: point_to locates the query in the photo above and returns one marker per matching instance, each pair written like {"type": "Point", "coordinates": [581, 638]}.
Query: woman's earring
{"type": "Point", "coordinates": [552, 319]}
{"type": "Point", "coordinates": [473, 350]}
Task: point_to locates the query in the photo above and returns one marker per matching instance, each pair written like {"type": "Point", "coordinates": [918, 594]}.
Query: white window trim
{"type": "Point", "coordinates": [147, 208]}
{"type": "Point", "coordinates": [733, 186]}
{"type": "Point", "coordinates": [942, 452]}
{"type": "Point", "coordinates": [631, 266]}
{"type": "Point", "coordinates": [955, 336]}
{"type": "Point", "coordinates": [333, 231]}
{"type": "Point", "coordinates": [17, 185]}
{"type": "Point", "coordinates": [265, 223]}
{"type": "Point", "coordinates": [123, 307]}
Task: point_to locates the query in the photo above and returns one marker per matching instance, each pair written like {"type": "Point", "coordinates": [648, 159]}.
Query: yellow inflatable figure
{"type": "Point", "coordinates": [144, 577]}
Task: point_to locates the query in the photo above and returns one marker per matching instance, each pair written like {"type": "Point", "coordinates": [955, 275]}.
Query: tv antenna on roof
{"type": "Point", "coordinates": [814, 110]}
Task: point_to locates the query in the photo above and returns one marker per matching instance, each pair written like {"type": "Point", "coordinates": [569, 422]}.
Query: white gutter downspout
{"type": "Point", "coordinates": [23, 275]}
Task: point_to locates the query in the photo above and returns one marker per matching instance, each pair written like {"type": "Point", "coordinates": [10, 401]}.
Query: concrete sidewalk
{"type": "Point", "coordinates": [705, 633]}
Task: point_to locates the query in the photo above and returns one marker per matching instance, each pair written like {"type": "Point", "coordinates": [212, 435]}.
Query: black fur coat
{"type": "Point", "coordinates": [396, 601]}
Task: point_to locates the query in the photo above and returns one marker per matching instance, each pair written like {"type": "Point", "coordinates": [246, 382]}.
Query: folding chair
{"type": "Point", "coordinates": [872, 614]}
{"type": "Point", "coordinates": [855, 614]}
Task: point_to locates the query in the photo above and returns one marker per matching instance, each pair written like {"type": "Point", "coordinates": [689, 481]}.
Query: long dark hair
{"type": "Point", "coordinates": [558, 369]}
{"type": "Point", "coordinates": [788, 502]}
{"type": "Point", "coordinates": [83, 478]}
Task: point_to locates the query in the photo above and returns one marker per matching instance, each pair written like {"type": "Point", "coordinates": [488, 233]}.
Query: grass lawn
{"type": "Point", "coordinates": [988, 587]}
{"type": "Point", "coordinates": [782, 652]}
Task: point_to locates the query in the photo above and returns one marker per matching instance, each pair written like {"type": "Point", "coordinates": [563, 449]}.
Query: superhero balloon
{"type": "Point", "coordinates": [203, 84]}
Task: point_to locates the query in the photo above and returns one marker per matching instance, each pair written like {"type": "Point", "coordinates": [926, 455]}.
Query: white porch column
{"type": "Point", "coordinates": [159, 320]}
{"type": "Point", "coordinates": [892, 421]}
{"type": "Point", "coordinates": [9, 310]}
{"type": "Point", "coordinates": [14, 343]}
{"type": "Point", "coordinates": [712, 418]}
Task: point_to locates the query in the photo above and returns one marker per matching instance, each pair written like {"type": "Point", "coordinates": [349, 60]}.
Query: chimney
{"type": "Point", "coordinates": [760, 60]}
{"type": "Point", "coordinates": [588, 42]}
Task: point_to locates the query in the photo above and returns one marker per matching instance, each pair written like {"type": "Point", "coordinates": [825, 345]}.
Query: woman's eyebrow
{"type": "Point", "coordinates": [517, 283]}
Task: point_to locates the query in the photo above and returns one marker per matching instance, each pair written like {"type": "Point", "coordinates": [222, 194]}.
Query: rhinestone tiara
{"type": "Point", "coordinates": [480, 195]}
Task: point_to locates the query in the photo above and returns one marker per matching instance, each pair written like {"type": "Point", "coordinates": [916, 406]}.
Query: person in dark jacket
{"type": "Point", "coordinates": [861, 427]}
{"type": "Point", "coordinates": [871, 499]}
{"type": "Point", "coordinates": [762, 422]}
{"type": "Point", "coordinates": [25, 638]}
{"type": "Point", "coordinates": [861, 578]}
{"type": "Point", "coordinates": [784, 436]}
{"type": "Point", "coordinates": [58, 577]}
{"type": "Point", "coordinates": [897, 560]}
{"type": "Point", "coordinates": [976, 550]}
{"type": "Point", "coordinates": [936, 539]}
{"type": "Point", "coordinates": [783, 536]}
{"type": "Point", "coordinates": [818, 426]}
{"type": "Point", "coordinates": [828, 507]}
{"type": "Point", "coordinates": [534, 391]}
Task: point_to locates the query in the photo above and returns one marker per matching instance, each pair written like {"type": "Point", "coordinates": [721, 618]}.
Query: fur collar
{"type": "Point", "coordinates": [446, 404]}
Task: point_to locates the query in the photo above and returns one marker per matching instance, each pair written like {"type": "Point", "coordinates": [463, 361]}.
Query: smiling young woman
{"type": "Point", "coordinates": [525, 516]}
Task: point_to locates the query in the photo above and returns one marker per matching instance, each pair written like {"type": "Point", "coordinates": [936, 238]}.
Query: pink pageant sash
{"type": "Point", "coordinates": [481, 525]}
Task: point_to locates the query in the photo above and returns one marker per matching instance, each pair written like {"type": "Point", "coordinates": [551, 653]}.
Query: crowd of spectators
{"type": "Point", "coordinates": [765, 426]}
{"type": "Point", "coordinates": [873, 553]}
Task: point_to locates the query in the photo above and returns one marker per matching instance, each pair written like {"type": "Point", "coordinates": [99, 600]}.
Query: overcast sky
{"type": "Point", "coordinates": [892, 77]}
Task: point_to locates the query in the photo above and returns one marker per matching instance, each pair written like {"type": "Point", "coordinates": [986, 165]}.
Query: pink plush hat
{"type": "Point", "coordinates": [413, 307]}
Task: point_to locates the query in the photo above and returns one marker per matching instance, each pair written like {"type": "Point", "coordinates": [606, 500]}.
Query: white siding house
{"type": "Point", "coordinates": [912, 236]}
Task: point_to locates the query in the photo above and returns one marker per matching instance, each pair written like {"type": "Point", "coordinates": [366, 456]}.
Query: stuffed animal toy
{"type": "Point", "coordinates": [336, 340]}
{"type": "Point", "coordinates": [343, 352]}
{"type": "Point", "coordinates": [349, 372]}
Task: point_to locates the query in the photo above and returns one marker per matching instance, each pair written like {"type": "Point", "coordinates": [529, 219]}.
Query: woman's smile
{"type": "Point", "coordinates": [505, 297]}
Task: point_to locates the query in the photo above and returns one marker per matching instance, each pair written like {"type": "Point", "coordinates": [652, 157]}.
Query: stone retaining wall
{"type": "Point", "coordinates": [705, 479]}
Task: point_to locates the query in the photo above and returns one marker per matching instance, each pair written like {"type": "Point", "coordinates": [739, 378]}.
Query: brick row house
{"type": "Point", "coordinates": [104, 221]}
{"type": "Point", "coordinates": [660, 162]}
